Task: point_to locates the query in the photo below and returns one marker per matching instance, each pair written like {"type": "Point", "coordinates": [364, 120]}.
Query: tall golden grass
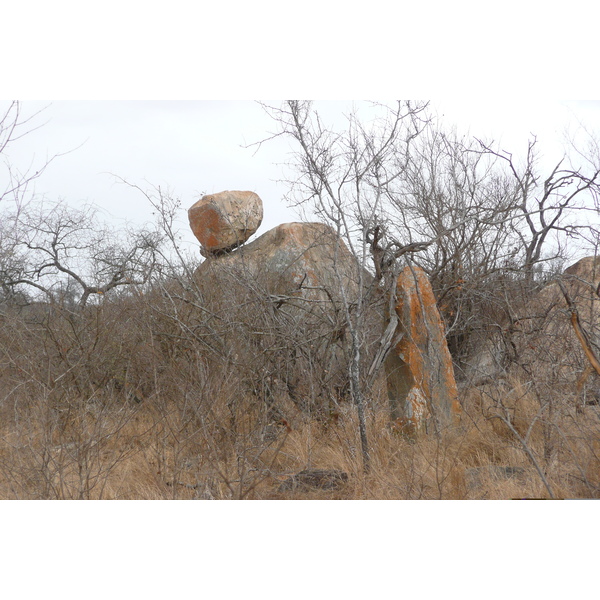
{"type": "Point", "coordinates": [112, 447]}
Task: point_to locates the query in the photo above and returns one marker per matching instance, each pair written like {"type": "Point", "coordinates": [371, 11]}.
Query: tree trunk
{"type": "Point", "coordinates": [359, 399]}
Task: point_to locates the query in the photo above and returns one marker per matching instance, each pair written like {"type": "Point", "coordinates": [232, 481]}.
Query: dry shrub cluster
{"type": "Point", "coordinates": [110, 403]}
{"type": "Point", "coordinates": [152, 396]}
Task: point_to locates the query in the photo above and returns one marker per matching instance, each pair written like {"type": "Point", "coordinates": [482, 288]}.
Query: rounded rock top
{"type": "Point", "coordinates": [225, 220]}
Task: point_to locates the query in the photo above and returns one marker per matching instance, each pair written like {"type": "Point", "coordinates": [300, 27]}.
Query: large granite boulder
{"type": "Point", "coordinates": [278, 308]}
{"type": "Point", "coordinates": [225, 220]}
{"type": "Point", "coordinates": [303, 260]}
{"type": "Point", "coordinates": [421, 385]}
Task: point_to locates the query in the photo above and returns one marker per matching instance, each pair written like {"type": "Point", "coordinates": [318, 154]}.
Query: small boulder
{"type": "Point", "coordinates": [476, 476]}
{"type": "Point", "coordinates": [320, 479]}
{"type": "Point", "coordinates": [225, 220]}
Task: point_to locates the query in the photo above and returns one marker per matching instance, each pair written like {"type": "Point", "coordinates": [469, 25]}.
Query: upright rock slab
{"type": "Point", "coordinates": [225, 220]}
{"type": "Point", "coordinates": [421, 385]}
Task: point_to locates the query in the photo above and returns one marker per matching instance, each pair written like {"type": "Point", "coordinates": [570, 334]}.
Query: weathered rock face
{"type": "Point", "coordinates": [539, 338]}
{"type": "Point", "coordinates": [587, 268]}
{"type": "Point", "coordinates": [225, 220]}
{"type": "Point", "coordinates": [580, 280]}
{"type": "Point", "coordinates": [277, 306]}
{"type": "Point", "coordinates": [300, 259]}
{"type": "Point", "coordinates": [421, 385]}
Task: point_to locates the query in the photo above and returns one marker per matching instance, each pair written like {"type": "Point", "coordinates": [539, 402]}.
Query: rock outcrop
{"type": "Point", "coordinates": [543, 336]}
{"type": "Point", "coordinates": [225, 220]}
{"type": "Point", "coordinates": [580, 280]}
{"type": "Point", "coordinates": [564, 338]}
{"type": "Point", "coordinates": [421, 385]}
{"type": "Point", "coordinates": [586, 269]}
{"type": "Point", "coordinates": [276, 309]}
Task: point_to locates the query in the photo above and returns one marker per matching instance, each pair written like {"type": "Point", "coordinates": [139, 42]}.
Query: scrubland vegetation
{"type": "Point", "coordinates": [117, 381]}
{"type": "Point", "coordinates": [100, 405]}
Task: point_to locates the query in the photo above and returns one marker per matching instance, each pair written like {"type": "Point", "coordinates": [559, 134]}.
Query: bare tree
{"type": "Point", "coordinates": [493, 223]}
{"type": "Point", "coordinates": [55, 249]}
{"type": "Point", "coordinates": [15, 125]}
{"type": "Point", "coordinates": [343, 177]}
{"type": "Point", "coordinates": [560, 203]}
{"type": "Point", "coordinates": [51, 248]}
{"type": "Point", "coordinates": [394, 184]}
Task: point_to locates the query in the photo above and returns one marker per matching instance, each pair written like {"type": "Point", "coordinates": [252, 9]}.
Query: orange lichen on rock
{"type": "Point", "coordinates": [225, 220]}
{"type": "Point", "coordinates": [421, 384]}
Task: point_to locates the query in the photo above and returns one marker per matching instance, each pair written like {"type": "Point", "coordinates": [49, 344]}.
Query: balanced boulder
{"type": "Point", "coordinates": [225, 220]}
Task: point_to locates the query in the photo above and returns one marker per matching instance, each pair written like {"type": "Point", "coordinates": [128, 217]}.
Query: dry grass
{"type": "Point", "coordinates": [114, 448]}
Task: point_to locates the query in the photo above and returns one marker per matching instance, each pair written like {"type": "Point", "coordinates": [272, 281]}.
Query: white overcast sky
{"type": "Point", "coordinates": [197, 147]}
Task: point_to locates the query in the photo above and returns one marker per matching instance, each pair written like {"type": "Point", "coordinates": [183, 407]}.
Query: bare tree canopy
{"type": "Point", "coordinates": [395, 183]}
{"type": "Point", "coordinates": [58, 249]}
